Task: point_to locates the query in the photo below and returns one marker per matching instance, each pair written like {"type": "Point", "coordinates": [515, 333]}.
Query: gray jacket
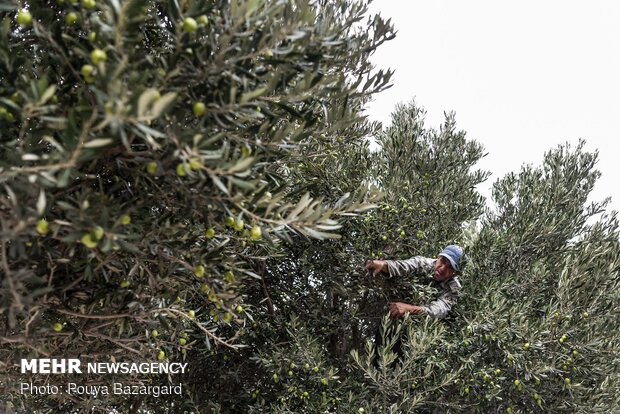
{"type": "Point", "coordinates": [449, 289]}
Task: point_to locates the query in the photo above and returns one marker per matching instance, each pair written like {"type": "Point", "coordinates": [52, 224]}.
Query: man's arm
{"type": "Point", "coordinates": [399, 309]}
{"type": "Point", "coordinates": [416, 264]}
{"type": "Point", "coordinates": [439, 308]}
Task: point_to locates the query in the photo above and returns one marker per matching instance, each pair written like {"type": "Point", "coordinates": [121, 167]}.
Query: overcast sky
{"type": "Point", "coordinates": [522, 77]}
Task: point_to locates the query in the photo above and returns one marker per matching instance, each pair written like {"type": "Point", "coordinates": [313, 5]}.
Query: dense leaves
{"type": "Point", "coordinates": [148, 167]}
{"type": "Point", "coordinates": [193, 181]}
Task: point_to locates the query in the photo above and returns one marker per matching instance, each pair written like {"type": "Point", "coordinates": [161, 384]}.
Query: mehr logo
{"type": "Point", "coordinates": [51, 366]}
{"type": "Point", "coordinates": [72, 366]}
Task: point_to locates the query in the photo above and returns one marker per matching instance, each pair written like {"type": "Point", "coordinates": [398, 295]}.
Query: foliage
{"type": "Point", "coordinates": [204, 191]}
{"type": "Point", "coordinates": [548, 291]}
{"type": "Point", "coordinates": [147, 164]}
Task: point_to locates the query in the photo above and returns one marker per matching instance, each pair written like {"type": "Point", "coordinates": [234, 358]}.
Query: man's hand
{"type": "Point", "coordinates": [399, 309]}
{"type": "Point", "coordinates": [376, 266]}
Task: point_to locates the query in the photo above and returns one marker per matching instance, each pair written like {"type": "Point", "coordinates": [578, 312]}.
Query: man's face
{"type": "Point", "coordinates": [443, 269]}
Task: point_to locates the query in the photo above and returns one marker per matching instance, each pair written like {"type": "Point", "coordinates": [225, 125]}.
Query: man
{"type": "Point", "coordinates": [445, 270]}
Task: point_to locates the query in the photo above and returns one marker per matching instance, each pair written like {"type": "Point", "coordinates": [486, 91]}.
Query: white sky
{"type": "Point", "coordinates": [522, 77]}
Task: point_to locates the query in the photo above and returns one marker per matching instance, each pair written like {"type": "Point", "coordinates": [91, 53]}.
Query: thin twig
{"type": "Point", "coordinates": [202, 328]}
{"type": "Point", "coordinates": [80, 315]}
{"type": "Point", "coordinates": [114, 341]}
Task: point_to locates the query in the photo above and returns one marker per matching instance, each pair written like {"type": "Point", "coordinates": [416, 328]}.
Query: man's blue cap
{"type": "Point", "coordinates": [455, 255]}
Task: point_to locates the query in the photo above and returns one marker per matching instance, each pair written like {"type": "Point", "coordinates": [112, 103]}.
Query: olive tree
{"type": "Point", "coordinates": [148, 156]}
{"type": "Point", "coordinates": [534, 329]}
{"type": "Point", "coordinates": [336, 308]}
